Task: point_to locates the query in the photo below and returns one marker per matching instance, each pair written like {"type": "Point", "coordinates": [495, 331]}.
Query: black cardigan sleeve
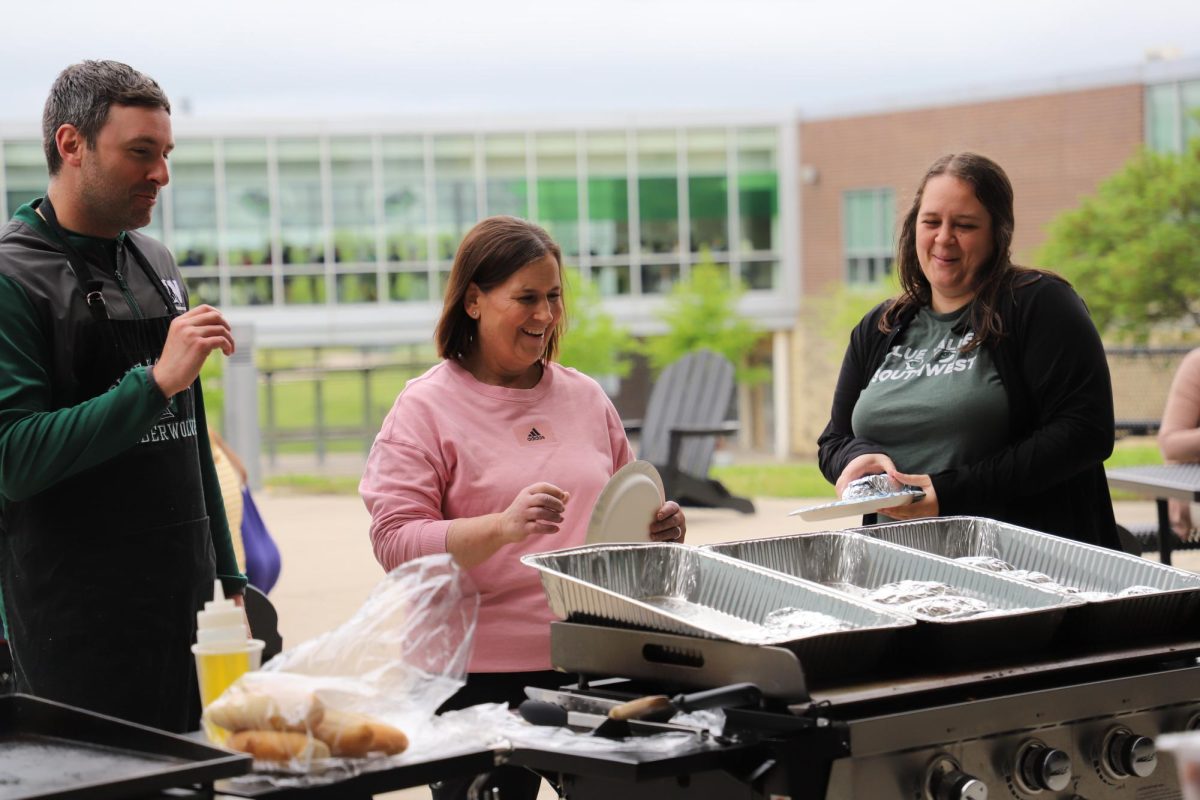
{"type": "Point", "coordinates": [837, 445]}
{"type": "Point", "coordinates": [1056, 355]}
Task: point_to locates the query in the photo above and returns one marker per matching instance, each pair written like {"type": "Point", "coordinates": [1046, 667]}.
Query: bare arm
{"type": "Point", "coordinates": [536, 511]}
{"type": "Point", "coordinates": [1179, 434]}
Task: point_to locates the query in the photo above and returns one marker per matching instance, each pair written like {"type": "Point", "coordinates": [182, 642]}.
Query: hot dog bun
{"type": "Point", "coordinates": [278, 745]}
{"type": "Point", "coordinates": [254, 711]}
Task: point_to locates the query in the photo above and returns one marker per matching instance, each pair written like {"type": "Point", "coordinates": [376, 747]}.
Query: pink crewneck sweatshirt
{"type": "Point", "coordinates": [453, 447]}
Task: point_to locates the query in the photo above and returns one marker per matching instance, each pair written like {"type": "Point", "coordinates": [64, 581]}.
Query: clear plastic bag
{"type": "Point", "coordinates": [363, 695]}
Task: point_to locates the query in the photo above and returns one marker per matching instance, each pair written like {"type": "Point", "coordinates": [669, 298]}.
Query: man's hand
{"type": "Point", "coordinates": [192, 336]}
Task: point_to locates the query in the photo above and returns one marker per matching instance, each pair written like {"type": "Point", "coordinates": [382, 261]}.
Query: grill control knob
{"type": "Point", "coordinates": [960, 786]}
{"type": "Point", "coordinates": [1131, 755]}
{"type": "Point", "coordinates": [1045, 767]}
{"type": "Point", "coordinates": [946, 781]}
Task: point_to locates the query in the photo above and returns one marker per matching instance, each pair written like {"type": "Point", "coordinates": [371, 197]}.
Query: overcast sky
{"type": "Point", "coordinates": [365, 57]}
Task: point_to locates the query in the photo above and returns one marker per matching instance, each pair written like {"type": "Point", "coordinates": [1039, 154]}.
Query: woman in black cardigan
{"type": "Point", "coordinates": [984, 383]}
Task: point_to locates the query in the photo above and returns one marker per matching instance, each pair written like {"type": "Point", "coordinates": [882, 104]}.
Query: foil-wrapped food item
{"type": "Point", "coordinates": [998, 565]}
{"type": "Point", "coordinates": [863, 496]}
{"type": "Point", "coordinates": [871, 486]}
{"type": "Point", "coordinates": [928, 599]}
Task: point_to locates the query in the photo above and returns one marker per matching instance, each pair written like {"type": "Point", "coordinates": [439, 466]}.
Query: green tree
{"type": "Point", "coordinates": [701, 313]}
{"type": "Point", "coordinates": [843, 306]}
{"type": "Point", "coordinates": [1132, 249]}
{"type": "Point", "coordinates": [593, 343]}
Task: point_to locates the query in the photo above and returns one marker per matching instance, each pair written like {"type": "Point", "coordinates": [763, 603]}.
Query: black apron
{"type": "Point", "coordinates": [102, 573]}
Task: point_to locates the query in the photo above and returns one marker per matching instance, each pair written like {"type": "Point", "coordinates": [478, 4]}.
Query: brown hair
{"type": "Point", "coordinates": [488, 256]}
{"type": "Point", "coordinates": [994, 192]}
{"type": "Point", "coordinates": [82, 95]}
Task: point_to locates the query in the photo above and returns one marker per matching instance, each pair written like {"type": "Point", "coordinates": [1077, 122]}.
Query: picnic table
{"type": "Point", "coordinates": [1162, 482]}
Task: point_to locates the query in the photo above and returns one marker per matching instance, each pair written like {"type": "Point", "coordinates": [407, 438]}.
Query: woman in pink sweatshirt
{"type": "Point", "coordinates": [496, 452]}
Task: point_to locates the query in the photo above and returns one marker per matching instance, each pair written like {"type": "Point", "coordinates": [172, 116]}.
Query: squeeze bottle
{"type": "Point", "coordinates": [223, 650]}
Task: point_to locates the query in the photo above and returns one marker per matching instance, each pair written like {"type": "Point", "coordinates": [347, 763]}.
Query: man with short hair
{"type": "Point", "coordinates": [111, 523]}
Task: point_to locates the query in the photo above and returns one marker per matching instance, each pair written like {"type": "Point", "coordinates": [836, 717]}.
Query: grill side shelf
{"type": "Point", "coordinates": [112, 758]}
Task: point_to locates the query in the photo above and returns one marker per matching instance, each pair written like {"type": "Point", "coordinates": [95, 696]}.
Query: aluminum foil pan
{"type": "Point", "coordinates": [1020, 617]}
{"type": "Point", "coordinates": [680, 589]}
{"type": "Point", "coordinates": [1170, 610]}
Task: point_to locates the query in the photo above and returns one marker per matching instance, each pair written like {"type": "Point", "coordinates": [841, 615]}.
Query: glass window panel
{"type": "Point", "coordinates": [708, 191]}
{"type": "Point", "coordinates": [247, 203]}
{"type": "Point", "coordinates": [758, 189]}
{"type": "Point", "coordinates": [300, 212]}
{"type": "Point", "coordinates": [408, 286]}
{"type": "Point", "coordinates": [608, 194]}
{"type": "Point", "coordinates": [658, 192]}
{"type": "Point", "coordinates": [507, 189]}
{"type": "Point", "coordinates": [357, 287]}
{"type": "Point", "coordinates": [301, 290]}
{"type": "Point", "coordinates": [1162, 117]}
{"type": "Point", "coordinates": [253, 290]}
{"type": "Point", "coordinates": [25, 173]}
{"type": "Point", "coordinates": [760, 275]}
{"type": "Point", "coordinates": [353, 183]}
{"type": "Point", "coordinates": [558, 190]}
{"type": "Point", "coordinates": [867, 233]}
{"type": "Point", "coordinates": [404, 201]}
{"type": "Point", "coordinates": [204, 288]}
{"type": "Point", "coordinates": [194, 202]}
{"type": "Point", "coordinates": [1191, 110]}
{"type": "Point", "coordinates": [612, 279]}
{"type": "Point", "coordinates": [659, 278]}
{"type": "Point", "coordinates": [454, 191]}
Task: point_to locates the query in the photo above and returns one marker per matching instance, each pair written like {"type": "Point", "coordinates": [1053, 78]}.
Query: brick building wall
{"type": "Point", "coordinates": [1056, 148]}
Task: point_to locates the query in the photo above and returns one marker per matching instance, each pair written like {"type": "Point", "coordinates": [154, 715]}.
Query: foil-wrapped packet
{"type": "Point", "coordinates": [871, 486]}
{"type": "Point", "coordinates": [863, 496]}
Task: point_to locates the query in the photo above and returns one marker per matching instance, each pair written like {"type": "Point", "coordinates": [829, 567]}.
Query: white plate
{"type": "Point", "coordinates": [846, 508]}
{"type": "Point", "coordinates": [627, 505]}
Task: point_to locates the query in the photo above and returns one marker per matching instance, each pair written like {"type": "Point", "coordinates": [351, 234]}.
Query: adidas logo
{"type": "Point", "coordinates": [534, 436]}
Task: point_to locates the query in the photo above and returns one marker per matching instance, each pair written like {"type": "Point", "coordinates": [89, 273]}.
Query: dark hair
{"type": "Point", "coordinates": [489, 254]}
{"type": "Point", "coordinates": [82, 95]}
{"type": "Point", "coordinates": [994, 192]}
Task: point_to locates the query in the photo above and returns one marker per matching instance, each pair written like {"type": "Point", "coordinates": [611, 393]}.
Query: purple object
{"type": "Point", "coordinates": [262, 556]}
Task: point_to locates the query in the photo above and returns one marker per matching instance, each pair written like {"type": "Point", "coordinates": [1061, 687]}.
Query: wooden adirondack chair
{"type": "Point", "coordinates": [684, 417]}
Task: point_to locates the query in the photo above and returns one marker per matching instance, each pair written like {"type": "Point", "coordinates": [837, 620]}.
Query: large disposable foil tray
{"type": "Point", "coordinates": [1170, 611]}
{"type": "Point", "coordinates": [680, 589]}
{"type": "Point", "coordinates": [1023, 618]}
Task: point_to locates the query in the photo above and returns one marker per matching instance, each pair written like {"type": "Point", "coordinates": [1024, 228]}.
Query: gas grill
{"type": "Point", "coordinates": [1072, 713]}
{"type": "Point", "coordinates": [1060, 726]}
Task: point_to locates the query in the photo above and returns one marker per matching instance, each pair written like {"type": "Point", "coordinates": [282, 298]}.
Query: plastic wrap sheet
{"type": "Point", "coordinates": [507, 731]}
{"type": "Point", "coordinates": [398, 658]}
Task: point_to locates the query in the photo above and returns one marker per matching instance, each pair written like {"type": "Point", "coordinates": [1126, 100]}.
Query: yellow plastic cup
{"type": "Point", "coordinates": [218, 665]}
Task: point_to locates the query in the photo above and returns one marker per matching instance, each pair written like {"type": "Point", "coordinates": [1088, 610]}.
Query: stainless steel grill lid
{"type": "Point", "coordinates": [680, 589]}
